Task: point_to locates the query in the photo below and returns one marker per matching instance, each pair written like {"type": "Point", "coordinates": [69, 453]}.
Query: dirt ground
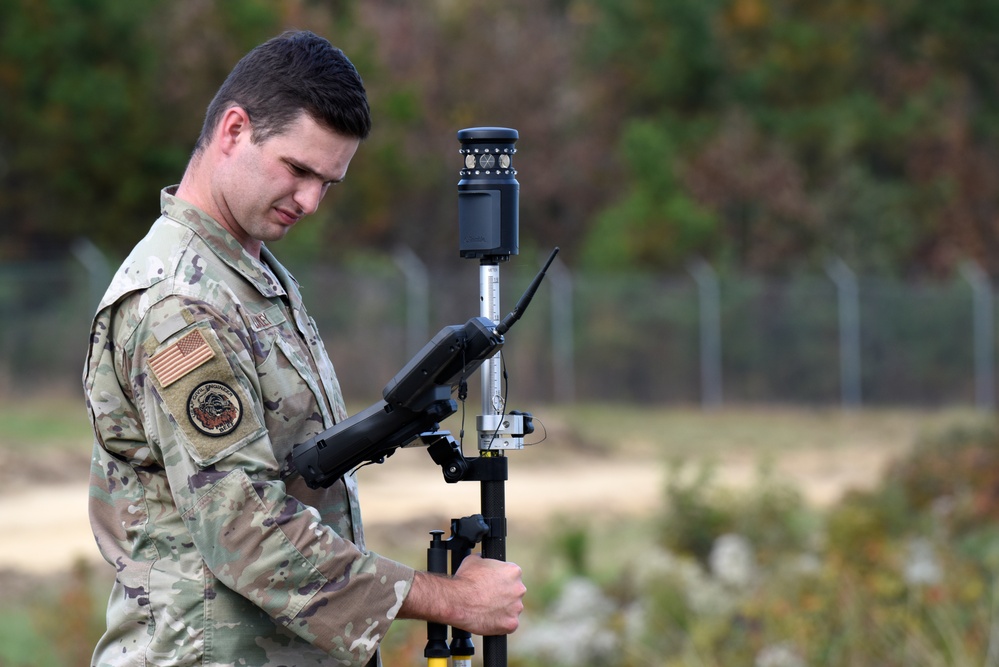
{"type": "Point", "coordinates": [43, 504]}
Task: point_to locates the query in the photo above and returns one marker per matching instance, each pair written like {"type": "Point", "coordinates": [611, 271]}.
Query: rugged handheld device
{"type": "Point", "coordinates": [415, 401]}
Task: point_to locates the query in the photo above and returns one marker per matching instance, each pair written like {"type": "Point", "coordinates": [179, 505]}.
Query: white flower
{"type": "Point", "coordinates": [574, 631]}
{"type": "Point", "coordinates": [921, 567]}
{"type": "Point", "coordinates": [778, 655]}
{"type": "Point", "coordinates": [732, 560]}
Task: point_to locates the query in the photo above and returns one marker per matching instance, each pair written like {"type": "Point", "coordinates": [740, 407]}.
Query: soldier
{"type": "Point", "coordinates": [205, 370]}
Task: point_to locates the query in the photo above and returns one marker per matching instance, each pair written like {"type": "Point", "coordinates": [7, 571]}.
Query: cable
{"type": "Point", "coordinates": [544, 430]}
{"type": "Point", "coordinates": [462, 395]}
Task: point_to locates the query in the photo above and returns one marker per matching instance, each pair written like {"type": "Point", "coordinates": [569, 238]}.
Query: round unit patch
{"type": "Point", "coordinates": [214, 409]}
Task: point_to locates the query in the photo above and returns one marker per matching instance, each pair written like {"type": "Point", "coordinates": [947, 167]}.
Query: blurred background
{"type": "Point", "coordinates": [756, 200]}
{"type": "Point", "coordinates": [779, 224]}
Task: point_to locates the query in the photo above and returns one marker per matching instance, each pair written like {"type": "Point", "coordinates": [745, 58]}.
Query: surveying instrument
{"type": "Point", "coordinates": [420, 396]}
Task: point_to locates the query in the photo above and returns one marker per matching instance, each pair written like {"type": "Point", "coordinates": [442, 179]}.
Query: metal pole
{"type": "Point", "coordinates": [96, 265]}
{"type": "Point", "coordinates": [417, 297]}
{"type": "Point", "coordinates": [563, 345]}
{"type": "Point", "coordinates": [492, 389]}
{"type": "Point", "coordinates": [848, 301]}
{"type": "Point", "coordinates": [709, 297]}
{"type": "Point", "coordinates": [493, 491]}
{"type": "Point", "coordinates": [985, 397]}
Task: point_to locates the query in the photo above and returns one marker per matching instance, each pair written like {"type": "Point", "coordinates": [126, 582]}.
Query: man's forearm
{"type": "Point", "coordinates": [433, 597]}
{"type": "Point", "coordinates": [484, 597]}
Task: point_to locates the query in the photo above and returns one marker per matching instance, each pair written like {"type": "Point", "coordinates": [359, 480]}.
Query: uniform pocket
{"type": "Point", "coordinates": [291, 397]}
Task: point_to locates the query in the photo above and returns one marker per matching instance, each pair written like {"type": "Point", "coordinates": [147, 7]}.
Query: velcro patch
{"type": "Point", "coordinates": [267, 318]}
{"type": "Point", "coordinates": [181, 358]}
{"type": "Point", "coordinates": [214, 409]}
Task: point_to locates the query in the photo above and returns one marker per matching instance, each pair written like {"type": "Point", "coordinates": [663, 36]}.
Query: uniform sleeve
{"type": "Point", "coordinates": [200, 396]}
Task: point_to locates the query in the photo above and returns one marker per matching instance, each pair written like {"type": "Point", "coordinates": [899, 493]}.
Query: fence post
{"type": "Point", "coordinates": [563, 345]}
{"type": "Point", "coordinates": [709, 299]}
{"type": "Point", "coordinates": [982, 317]}
{"type": "Point", "coordinates": [417, 297]}
{"type": "Point", "coordinates": [97, 267]}
{"type": "Point", "coordinates": [848, 299]}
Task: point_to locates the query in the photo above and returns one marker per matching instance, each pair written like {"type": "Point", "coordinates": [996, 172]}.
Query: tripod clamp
{"type": "Point", "coordinates": [456, 467]}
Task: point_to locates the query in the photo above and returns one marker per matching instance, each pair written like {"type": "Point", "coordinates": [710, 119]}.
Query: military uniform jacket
{"type": "Point", "coordinates": [204, 371]}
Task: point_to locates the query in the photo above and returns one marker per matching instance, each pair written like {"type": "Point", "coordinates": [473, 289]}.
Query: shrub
{"type": "Point", "coordinates": [772, 515]}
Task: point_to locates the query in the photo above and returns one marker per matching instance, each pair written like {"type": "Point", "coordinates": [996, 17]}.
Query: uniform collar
{"type": "Point", "coordinates": [224, 244]}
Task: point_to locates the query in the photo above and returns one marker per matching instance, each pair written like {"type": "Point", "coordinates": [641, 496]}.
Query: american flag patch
{"type": "Point", "coordinates": [181, 358]}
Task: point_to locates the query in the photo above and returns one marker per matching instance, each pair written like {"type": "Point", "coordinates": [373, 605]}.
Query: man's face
{"type": "Point", "coordinates": [263, 189]}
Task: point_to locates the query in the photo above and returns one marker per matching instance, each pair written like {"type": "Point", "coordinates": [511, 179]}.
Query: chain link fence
{"type": "Point", "coordinates": [692, 339]}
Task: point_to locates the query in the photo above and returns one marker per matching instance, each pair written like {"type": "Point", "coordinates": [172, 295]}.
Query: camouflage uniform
{"type": "Point", "coordinates": [204, 370]}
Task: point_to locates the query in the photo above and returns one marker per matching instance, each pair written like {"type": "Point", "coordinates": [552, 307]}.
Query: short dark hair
{"type": "Point", "coordinates": [294, 72]}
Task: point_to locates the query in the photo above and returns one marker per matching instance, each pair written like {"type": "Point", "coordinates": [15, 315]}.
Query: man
{"type": "Point", "coordinates": [205, 370]}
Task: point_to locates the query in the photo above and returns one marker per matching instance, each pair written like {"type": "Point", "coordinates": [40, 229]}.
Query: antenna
{"type": "Point", "coordinates": [525, 300]}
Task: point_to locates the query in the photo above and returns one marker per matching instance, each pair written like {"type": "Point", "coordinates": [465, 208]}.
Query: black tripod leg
{"type": "Point", "coordinates": [436, 651]}
{"type": "Point", "coordinates": [462, 649]}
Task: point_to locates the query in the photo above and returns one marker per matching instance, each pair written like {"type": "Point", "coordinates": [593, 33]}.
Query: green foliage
{"type": "Point", "coordinates": [841, 106]}
{"type": "Point", "coordinates": [665, 54]}
{"type": "Point", "coordinates": [656, 223]}
{"type": "Point", "coordinates": [109, 99]}
{"type": "Point", "coordinates": [952, 479]}
{"type": "Point", "coordinates": [771, 515]}
{"type": "Point", "coordinates": [59, 628]}
{"type": "Point", "coordinates": [74, 122]}
{"type": "Point", "coordinates": [572, 543]}
{"type": "Point", "coordinates": [21, 645]}
{"type": "Point", "coordinates": [853, 198]}
{"type": "Point", "coordinates": [904, 574]}
{"type": "Point", "coordinates": [694, 519]}
{"type": "Point", "coordinates": [60, 422]}
{"type": "Point", "coordinates": [760, 134]}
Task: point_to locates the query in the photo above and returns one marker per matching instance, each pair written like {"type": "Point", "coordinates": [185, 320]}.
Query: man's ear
{"type": "Point", "coordinates": [233, 128]}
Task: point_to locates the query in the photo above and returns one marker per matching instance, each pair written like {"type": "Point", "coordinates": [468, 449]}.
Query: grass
{"type": "Point", "coordinates": [53, 422]}
{"type": "Point", "coordinates": [764, 430]}
{"type": "Point", "coordinates": [21, 643]}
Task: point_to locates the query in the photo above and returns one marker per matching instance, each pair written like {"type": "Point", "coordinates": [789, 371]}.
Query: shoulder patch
{"type": "Point", "coordinates": [212, 406]}
{"type": "Point", "coordinates": [214, 409]}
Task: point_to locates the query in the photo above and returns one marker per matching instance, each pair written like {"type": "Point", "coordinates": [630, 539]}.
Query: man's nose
{"type": "Point", "coordinates": [309, 196]}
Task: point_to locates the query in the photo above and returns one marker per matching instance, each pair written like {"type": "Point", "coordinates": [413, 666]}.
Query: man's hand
{"type": "Point", "coordinates": [484, 597]}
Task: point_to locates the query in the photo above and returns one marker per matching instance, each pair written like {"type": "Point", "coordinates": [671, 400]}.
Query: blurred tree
{"type": "Point", "coordinates": [661, 68]}
{"type": "Point", "coordinates": [443, 66]}
{"type": "Point", "coordinates": [796, 130]}
{"type": "Point", "coordinates": [656, 222]}
{"type": "Point", "coordinates": [71, 72]}
{"type": "Point", "coordinates": [102, 103]}
{"type": "Point", "coordinates": [950, 54]}
{"type": "Point", "coordinates": [760, 134]}
{"type": "Point", "coordinates": [109, 99]}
